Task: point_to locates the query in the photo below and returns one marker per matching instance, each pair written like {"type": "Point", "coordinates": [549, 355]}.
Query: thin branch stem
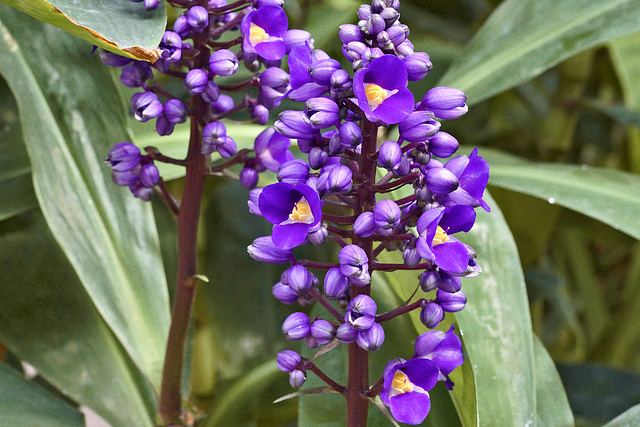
{"type": "Point", "coordinates": [168, 199]}
{"type": "Point", "coordinates": [326, 304]}
{"type": "Point", "coordinates": [307, 364]}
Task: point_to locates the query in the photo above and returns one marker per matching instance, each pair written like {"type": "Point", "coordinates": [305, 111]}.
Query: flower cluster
{"type": "Point", "coordinates": [192, 52]}
{"type": "Point", "coordinates": [353, 191]}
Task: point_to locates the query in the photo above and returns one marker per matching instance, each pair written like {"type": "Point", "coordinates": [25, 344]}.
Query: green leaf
{"type": "Point", "coordinates": [551, 400]}
{"type": "Point", "coordinates": [625, 56]}
{"type": "Point", "coordinates": [15, 171]}
{"type": "Point", "coordinates": [122, 27]}
{"type": "Point", "coordinates": [523, 38]}
{"type": "Point", "coordinates": [25, 403]}
{"type": "Point", "coordinates": [607, 195]}
{"type": "Point", "coordinates": [48, 320]}
{"type": "Point", "coordinates": [629, 418]}
{"type": "Point", "coordinates": [71, 114]}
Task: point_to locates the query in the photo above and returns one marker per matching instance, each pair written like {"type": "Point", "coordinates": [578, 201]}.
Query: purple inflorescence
{"type": "Point", "coordinates": [400, 203]}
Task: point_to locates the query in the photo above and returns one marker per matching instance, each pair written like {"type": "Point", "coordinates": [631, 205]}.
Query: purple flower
{"type": "Point", "coordinates": [406, 389]}
{"type": "Point", "coordinates": [371, 339]}
{"type": "Point", "coordinates": [288, 360]}
{"type": "Point", "coordinates": [335, 284]}
{"type": "Point", "coordinates": [124, 157]}
{"type": "Point", "coordinates": [292, 209]}
{"type": "Point", "coordinates": [445, 102]}
{"type": "Point", "coordinates": [442, 348]}
{"type": "Point", "coordinates": [473, 175]}
{"type": "Point", "coordinates": [263, 30]}
{"type": "Point", "coordinates": [354, 264]}
{"type": "Point", "coordinates": [223, 62]}
{"type": "Point", "coordinates": [435, 243]}
{"type": "Point", "coordinates": [296, 326]}
{"type": "Point", "coordinates": [198, 18]}
{"type": "Point", "coordinates": [272, 149]}
{"type": "Point", "coordinates": [365, 225]}
{"type": "Point", "coordinates": [262, 249]}
{"type": "Point", "coordinates": [382, 91]}
{"type": "Point", "coordinates": [361, 312]}
{"type": "Point", "coordinates": [302, 85]}
{"type": "Point", "coordinates": [387, 215]}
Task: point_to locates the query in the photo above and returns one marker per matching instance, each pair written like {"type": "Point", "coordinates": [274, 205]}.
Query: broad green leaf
{"type": "Point", "coordinates": [552, 404]}
{"type": "Point", "coordinates": [607, 195]}
{"type": "Point", "coordinates": [15, 171]}
{"type": "Point", "coordinates": [120, 26]}
{"type": "Point", "coordinates": [48, 320]}
{"type": "Point", "coordinates": [523, 38]}
{"type": "Point", "coordinates": [496, 325]}
{"type": "Point", "coordinates": [628, 418]}
{"type": "Point", "coordinates": [70, 115]}
{"type": "Point", "coordinates": [26, 403]}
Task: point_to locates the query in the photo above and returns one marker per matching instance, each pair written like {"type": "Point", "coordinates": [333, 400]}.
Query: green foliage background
{"type": "Point", "coordinates": [550, 330]}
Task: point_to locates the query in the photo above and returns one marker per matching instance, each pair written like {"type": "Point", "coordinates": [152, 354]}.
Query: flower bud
{"type": "Point", "coordinates": [171, 46]}
{"type": "Point", "coordinates": [213, 132]}
{"type": "Point", "coordinates": [145, 106]}
{"type": "Point", "coordinates": [335, 284]}
{"type": "Point", "coordinates": [322, 331]}
{"type": "Point", "coordinates": [353, 262]}
{"type": "Point", "coordinates": [264, 250]}
{"type": "Point", "coordinates": [249, 178]}
{"type": "Point", "coordinates": [441, 181]}
{"type": "Point", "coordinates": [222, 105]}
{"type": "Point", "coordinates": [418, 127]}
{"type": "Point", "coordinates": [354, 50]}
{"type": "Point", "coordinates": [274, 82]}
{"type": "Point", "coordinates": [136, 74]}
{"type": "Point", "coordinates": [418, 66]}
{"type": "Point", "coordinates": [350, 134]}
{"type": "Point", "coordinates": [211, 92]}
{"type": "Point", "coordinates": [198, 18]}
{"type": "Point", "coordinates": [254, 195]}
{"type": "Point", "coordinates": [223, 62]}
{"type": "Point", "coordinates": [299, 279]}
{"type": "Point", "coordinates": [195, 81]}
{"type": "Point", "coordinates": [446, 102]}
{"type": "Point", "coordinates": [384, 41]}
{"type": "Point", "coordinates": [361, 312]}
{"type": "Point", "coordinates": [443, 145]}
{"type": "Point", "coordinates": [163, 126]}
{"type": "Point", "coordinates": [398, 34]}
{"type": "Point", "coordinates": [375, 24]}
{"type": "Point", "coordinates": [429, 280]}
{"type": "Point", "coordinates": [431, 315]}
{"type": "Point", "coordinates": [378, 5]}
{"type": "Point", "coordinates": [318, 157]}
{"type": "Point", "coordinates": [410, 256]}
{"type": "Point", "coordinates": [319, 236]}
{"type": "Point", "coordinates": [346, 333]}
{"type": "Point", "coordinates": [370, 54]}
{"type": "Point", "coordinates": [296, 326]}
{"type": "Point", "coordinates": [340, 82]}
{"type": "Point", "coordinates": [297, 378]}
{"type": "Point", "coordinates": [149, 175]}
{"type": "Point", "coordinates": [364, 12]}
{"type": "Point", "coordinates": [123, 157]}
{"type": "Point", "coordinates": [293, 171]}
{"type": "Point", "coordinates": [283, 293]}
{"type": "Point", "coordinates": [260, 113]}
{"type": "Point", "coordinates": [387, 215]}
{"type": "Point", "coordinates": [288, 360]}
{"type": "Point", "coordinates": [451, 302]}
{"type": "Point", "coordinates": [321, 71]}
{"type": "Point", "coordinates": [372, 338]}
{"type": "Point", "coordinates": [228, 147]}
{"type": "Point", "coordinates": [294, 38]}
{"type": "Point", "coordinates": [175, 111]}
{"type": "Point", "coordinates": [389, 15]}
{"type": "Point", "coordinates": [293, 124]}
{"type": "Point", "coordinates": [113, 60]}
{"type": "Point", "coordinates": [141, 192]}
{"type": "Point", "coordinates": [181, 27]}
{"type": "Point", "coordinates": [389, 155]}
{"type": "Point", "coordinates": [336, 180]}
{"type": "Point", "coordinates": [449, 283]}
{"type": "Point", "coordinates": [404, 49]}
{"type": "Point", "coordinates": [150, 4]}
{"type": "Point", "coordinates": [321, 113]}
{"type": "Point", "coordinates": [365, 225]}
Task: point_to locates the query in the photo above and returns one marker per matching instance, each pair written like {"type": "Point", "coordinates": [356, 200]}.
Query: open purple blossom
{"type": "Point", "coordinates": [472, 173]}
{"type": "Point", "coordinates": [381, 90]}
{"type": "Point", "coordinates": [263, 29]}
{"type": "Point", "coordinates": [435, 243]}
{"type": "Point", "coordinates": [292, 209]}
{"type": "Point", "coordinates": [406, 389]}
{"type": "Point", "coordinates": [272, 149]}
{"type": "Point", "coordinates": [442, 348]}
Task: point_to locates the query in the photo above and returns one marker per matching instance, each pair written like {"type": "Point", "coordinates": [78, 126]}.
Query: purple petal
{"type": "Point", "coordinates": [299, 60]}
{"type": "Point", "coordinates": [289, 236]}
{"type": "Point", "coordinates": [451, 256]}
{"type": "Point", "coordinates": [410, 408]}
{"type": "Point", "coordinates": [458, 218]}
{"type": "Point", "coordinates": [272, 19]}
{"type": "Point", "coordinates": [271, 50]}
{"type": "Point", "coordinates": [396, 108]}
{"type": "Point", "coordinates": [277, 201]}
{"type": "Point", "coordinates": [475, 177]}
{"type": "Point", "coordinates": [388, 72]}
{"type": "Point", "coordinates": [314, 201]}
{"type": "Point", "coordinates": [421, 372]}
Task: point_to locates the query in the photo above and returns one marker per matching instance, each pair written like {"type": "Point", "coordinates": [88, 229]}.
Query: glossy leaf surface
{"type": "Point", "coordinates": [70, 115]}
{"type": "Point", "coordinates": [122, 27]}
{"type": "Point", "coordinates": [523, 38]}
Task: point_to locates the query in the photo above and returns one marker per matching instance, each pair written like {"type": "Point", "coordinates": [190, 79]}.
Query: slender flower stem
{"type": "Point", "coordinates": [343, 220]}
{"type": "Point", "coordinates": [225, 45]}
{"type": "Point", "coordinates": [168, 198]}
{"type": "Point", "coordinates": [170, 404]}
{"type": "Point", "coordinates": [323, 301]}
{"type": "Point", "coordinates": [399, 311]}
{"type": "Point", "coordinates": [394, 267]}
{"type": "Point", "coordinates": [331, 383]}
{"type": "Point", "coordinates": [390, 186]}
{"type": "Point", "coordinates": [318, 265]}
{"type": "Point", "coordinates": [157, 155]}
{"type": "Point", "coordinates": [358, 382]}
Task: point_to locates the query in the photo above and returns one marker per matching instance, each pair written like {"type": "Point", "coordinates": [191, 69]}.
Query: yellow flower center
{"type": "Point", "coordinates": [301, 212]}
{"type": "Point", "coordinates": [257, 35]}
{"type": "Point", "coordinates": [375, 95]}
{"type": "Point", "coordinates": [401, 383]}
{"type": "Point", "coordinates": [440, 237]}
